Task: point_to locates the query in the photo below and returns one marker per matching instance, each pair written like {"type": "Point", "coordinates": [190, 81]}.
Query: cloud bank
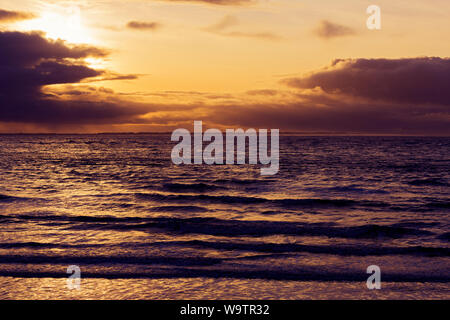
{"type": "Point", "coordinates": [29, 62]}
{"type": "Point", "coordinates": [353, 96]}
{"type": "Point", "coordinates": [362, 96]}
{"type": "Point", "coordinates": [424, 80]}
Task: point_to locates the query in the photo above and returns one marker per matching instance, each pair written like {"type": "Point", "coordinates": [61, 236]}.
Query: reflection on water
{"type": "Point", "coordinates": [215, 289]}
{"type": "Point", "coordinates": [141, 227]}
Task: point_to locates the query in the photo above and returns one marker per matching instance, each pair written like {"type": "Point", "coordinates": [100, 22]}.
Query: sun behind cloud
{"type": "Point", "coordinates": [58, 22]}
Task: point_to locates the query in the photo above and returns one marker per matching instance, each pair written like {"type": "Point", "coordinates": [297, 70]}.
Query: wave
{"type": "Point", "coordinates": [7, 198]}
{"type": "Point", "coordinates": [305, 274]}
{"type": "Point", "coordinates": [228, 199]}
{"type": "Point", "coordinates": [236, 228]}
{"type": "Point", "coordinates": [125, 259]}
{"type": "Point", "coordinates": [346, 189]}
{"type": "Point", "coordinates": [412, 224]}
{"type": "Point", "coordinates": [272, 248]}
{"type": "Point", "coordinates": [231, 228]}
{"type": "Point", "coordinates": [444, 236]}
{"type": "Point", "coordinates": [237, 181]}
{"type": "Point", "coordinates": [60, 218]}
{"type": "Point", "coordinates": [213, 226]}
{"type": "Point", "coordinates": [429, 182]}
{"type": "Point", "coordinates": [438, 204]}
{"type": "Point", "coordinates": [180, 209]}
{"type": "Point", "coordinates": [199, 198]}
{"type": "Point", "coordinates": [20, 245]}
{"type": "Point", "coordinates": [328, 249]}
{"type": "Point", "coordinates": [420, 205]}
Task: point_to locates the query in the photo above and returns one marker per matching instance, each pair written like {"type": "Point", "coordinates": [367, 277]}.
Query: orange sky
{"type": "Point", "coordinates": [194, 52]}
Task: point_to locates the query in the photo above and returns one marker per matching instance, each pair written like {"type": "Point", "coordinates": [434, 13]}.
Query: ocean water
{"type": "Point", "coordinates": [140, 227]}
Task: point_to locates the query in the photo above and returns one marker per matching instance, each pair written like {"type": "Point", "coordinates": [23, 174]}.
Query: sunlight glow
{"type": "Point", "coordinates": [96, 63]}
{"type": "Point", "coordinates": [61, 23]}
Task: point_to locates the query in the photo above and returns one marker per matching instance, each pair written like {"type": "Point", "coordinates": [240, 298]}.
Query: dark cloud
{"type": "Point", "coordinates": [29, 62]}
{"type": "Point", "coordinates": [27, 49]}
{"type": "Point", "coordinates": [358, 118]}
{"type": "Point", "coordinates": [360, 96]}
{"type": "Point", "coordinates": [12, 16]}
{"type": "Point", "coordinates": [423, 80]}
{"type": "Point", "coordinates": [328, 30]}
{"type": "Point", "coordinates": [139, 25]}
{"type": "Point", "coordinates": [44, 73]}
{"type": "Point", "coordinates": [401, 96]}
{"type": "Point", "coordinates": [216, 2]}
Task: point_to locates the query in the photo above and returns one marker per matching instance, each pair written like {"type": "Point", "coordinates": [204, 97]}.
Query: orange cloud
{"type": "Point", "coordinates": [12, 16]}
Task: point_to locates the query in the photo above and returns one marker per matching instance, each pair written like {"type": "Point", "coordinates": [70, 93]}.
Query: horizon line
{"type": "Point", "coordinates": [281, 133]}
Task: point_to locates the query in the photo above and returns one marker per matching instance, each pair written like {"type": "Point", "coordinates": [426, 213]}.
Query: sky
{"type": "Point", "coordinates": [309, 66]}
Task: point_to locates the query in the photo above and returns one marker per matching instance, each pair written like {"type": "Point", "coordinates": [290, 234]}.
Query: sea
{"type": "Point", "coordinates": [140, 227]}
